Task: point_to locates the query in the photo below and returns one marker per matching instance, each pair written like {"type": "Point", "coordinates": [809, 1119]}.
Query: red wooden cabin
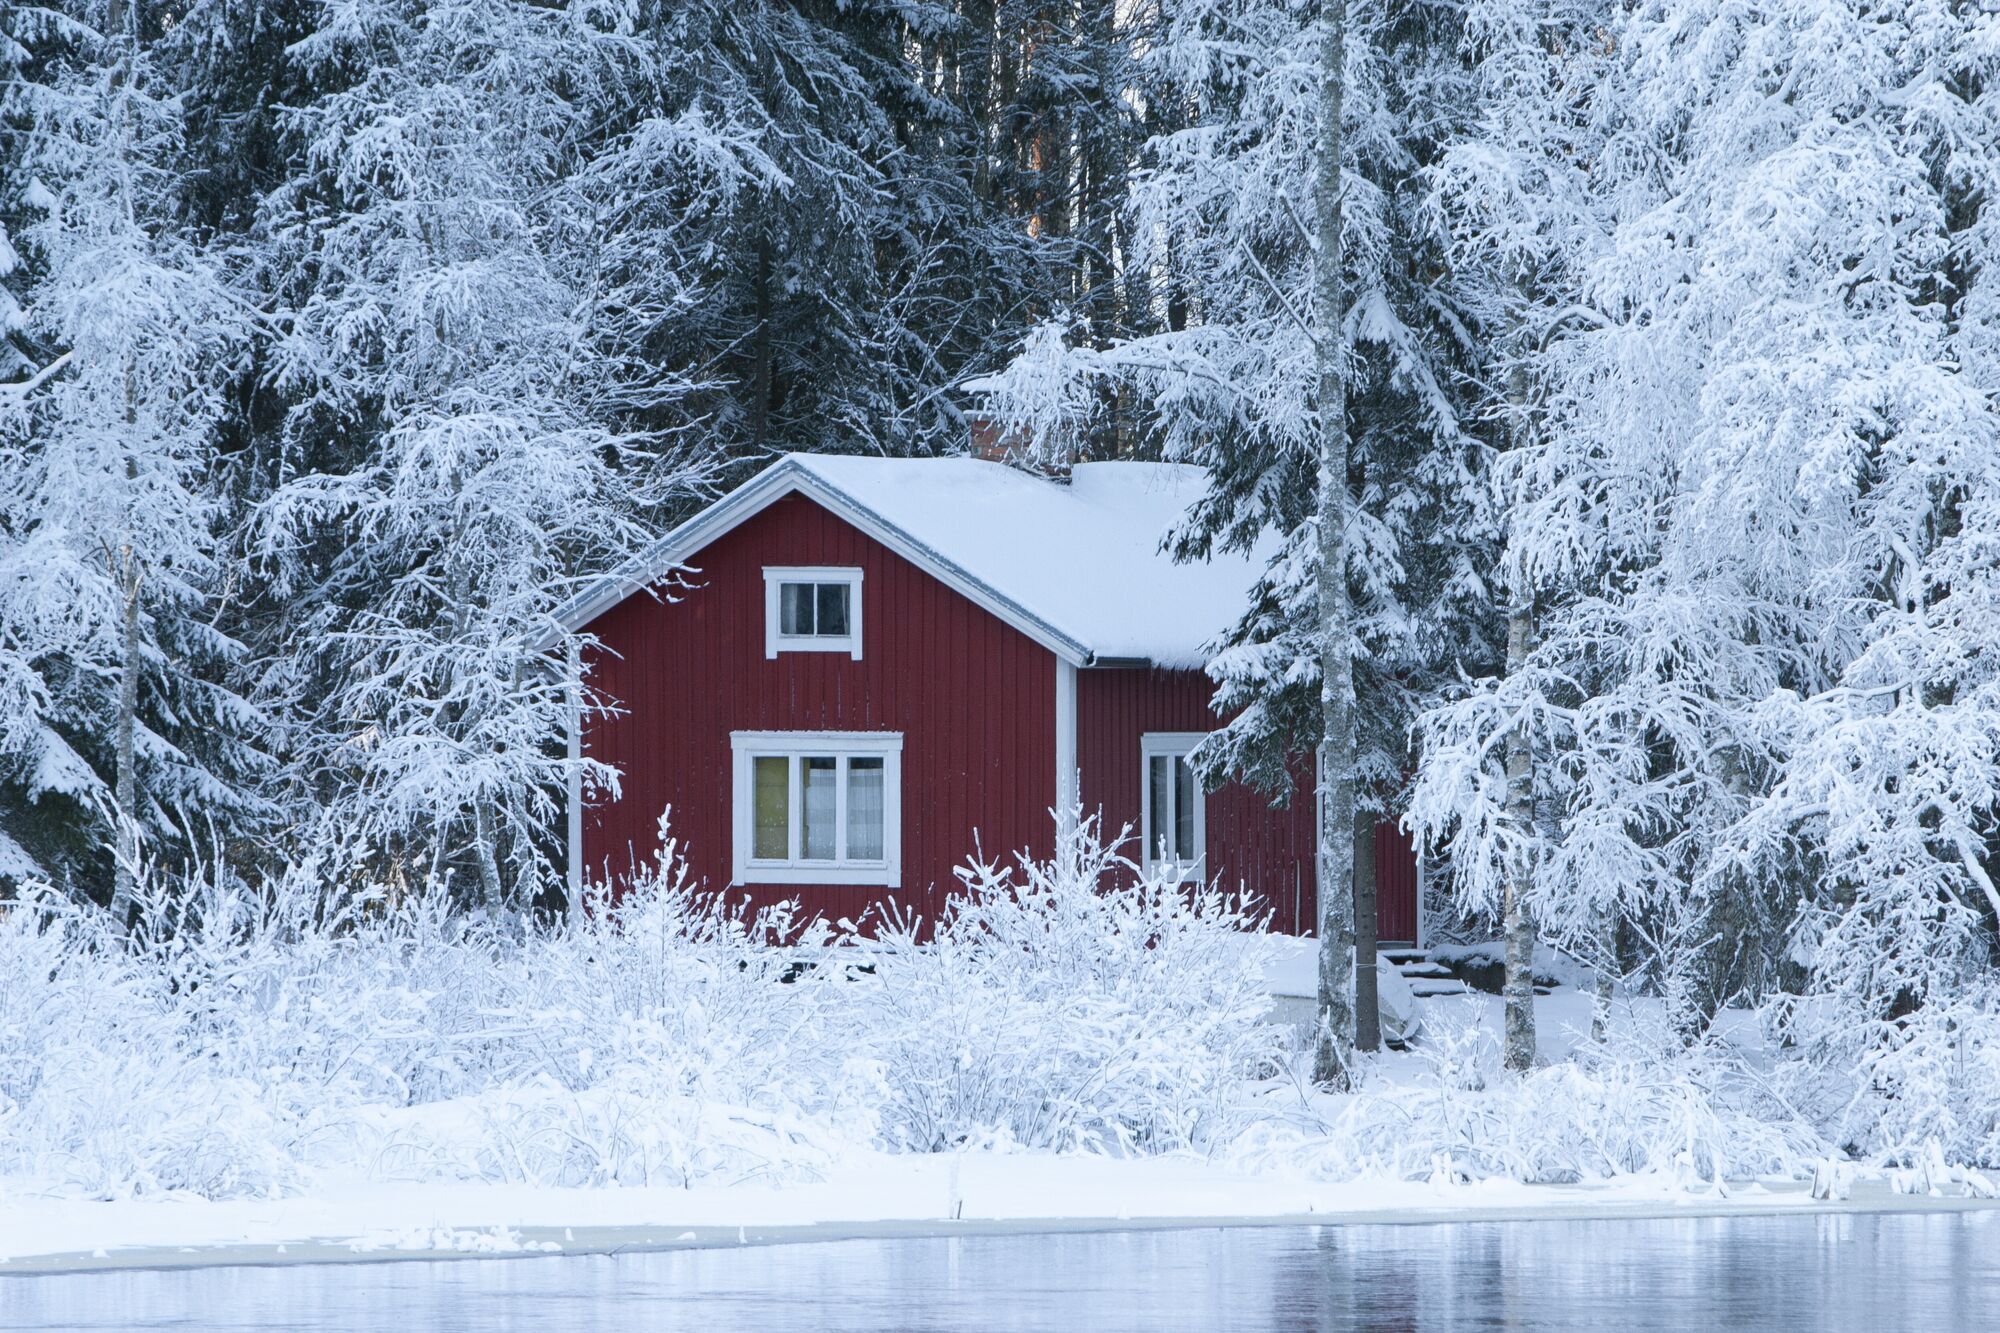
{"type": "Point", "coordinates": [850, 673]}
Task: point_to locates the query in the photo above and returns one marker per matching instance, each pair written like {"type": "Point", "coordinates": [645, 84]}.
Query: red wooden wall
{"type": "Point", "coordinates": [973, 697]}
{"type": "Point", "coordinates": [1252, 845]}
{"type": "Point", "coordinates": [1395, 885]}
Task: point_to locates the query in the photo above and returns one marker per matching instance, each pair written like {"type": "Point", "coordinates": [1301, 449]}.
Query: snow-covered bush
{"type": "Point", "coordinates": [1056, 1011]}
{"type": "Point", "coordinates": [243, 1042]}
{"type": "Point", "coordinates": [664, 1036]}
{"type": "Point", "coordinates": [1894, 1089]}
{"type": "Point", "coordinates": [98, 1088]}
{"type": "Point", "coordinates": [243, 1038]}
{"type": "Point", "coordinates": [246, 1037]}
{"type": "Point", "coordinates": [1643, 1105]}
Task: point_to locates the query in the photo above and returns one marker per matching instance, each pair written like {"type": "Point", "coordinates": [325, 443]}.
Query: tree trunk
{"type": "Point", "coordinates": [125, 572]}
{"type": "Point", "coordinates": [1607, 971]}
{"type": "Point", "coordinates": [489, 865]}
{"type": "Point", "coordinates": [972, 57]}
{"type": "Point", "coordinates": [1333, 1054]}
{"type": "Point", "coordinates": [761, 375]}
{"type": "Point", "coordinates": [125, 875]}
{"type": "Point", "coordinates": [1367, 1003]}
{"type": "Point", "coordinates": [1519, 925]}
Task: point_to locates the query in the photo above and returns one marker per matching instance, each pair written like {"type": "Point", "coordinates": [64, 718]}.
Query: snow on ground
{"type": "Point", "coordinates": [1291, 974]}
{"type": "Point", "coordinates": [348, 1215]}
{"type": "Point", "coordinates": [936, 1194]}
{"type": "Point", "coordinates": [651, 1073]}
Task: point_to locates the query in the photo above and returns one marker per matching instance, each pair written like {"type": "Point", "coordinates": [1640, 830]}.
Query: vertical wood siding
{"type": "Point", "coordinates": [1395, 885]}
{"type": "Point", "coordinates": [1252, 844]}
{"type": "Point", "coordinates": [973, 697]}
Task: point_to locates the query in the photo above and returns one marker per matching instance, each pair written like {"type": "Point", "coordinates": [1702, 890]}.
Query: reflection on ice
{"type": "Point", "coordinates": [1835, 1272]}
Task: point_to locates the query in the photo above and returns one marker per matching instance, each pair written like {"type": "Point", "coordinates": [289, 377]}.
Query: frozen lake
{"type": "Point", "coordinates": [1862, 1271]}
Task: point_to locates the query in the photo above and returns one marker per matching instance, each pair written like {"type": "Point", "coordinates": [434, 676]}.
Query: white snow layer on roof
{"type": "Point", "coordinates": [1085, 558]}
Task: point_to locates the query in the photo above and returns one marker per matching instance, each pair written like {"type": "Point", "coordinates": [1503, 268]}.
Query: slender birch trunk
{"type": "Point", "coordinates": [1367, 933]}
{"type": "Point", "coordinates": [1333, 1053]}
{"type": "Point", "coordinates": [1519, 926]}
{"type": "Point", "coordinates": [125, 875]}
{"type": "Point", "coordinates": [484, 854]}
{"type": "Point", "coordinates": [125, 570]}
{"type": "Point", "coordinates": [762, 373]}
{"type": "Point", "coordinates": [1607, 971]}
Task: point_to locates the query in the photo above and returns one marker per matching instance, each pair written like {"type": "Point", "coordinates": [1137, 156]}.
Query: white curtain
{"type": "Point", "coordinates": [864, 809]}
{"type": "Point", "coordinates": [820, 776]}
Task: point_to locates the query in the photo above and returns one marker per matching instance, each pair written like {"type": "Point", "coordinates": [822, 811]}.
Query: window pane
{"type": "Point", "coordinates": [1159, 803]}
{"type": "Point", "coordinates": [1184, 799]}
{"type": "Point", "coordinates": [864, 809]}
{"type": "Point", "coordinates": [818, 830]}
{"type": "Point", "coordinates": [795, 608]}
{"type": "Point", "coordinates": [772, 806]}
{"type": "Point", "coordinates": [833, 608]}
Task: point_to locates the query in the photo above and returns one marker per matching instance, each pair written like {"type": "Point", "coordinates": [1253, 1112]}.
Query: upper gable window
{"type": "Point", "coordinates": [812, 610]}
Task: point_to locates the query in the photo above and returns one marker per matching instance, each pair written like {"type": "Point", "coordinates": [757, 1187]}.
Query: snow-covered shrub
{"type": "Point", "coordinates": [1641, 1106]}
{"type": "Point", "coordinates": [1893, 1088]}
{"type": "Point", "coordinates": [99, 1089]}
{"type": "Point", "coordinates": [245, 1041]}
{"type": "Point", "coordinates": [139, 1118]}
{"type": "Point", "coordinates": [244, 1038]}
{"type": "Point", "coordinates": [1056, 1011]}
{"type": "Point", "coordinates": [664, 1036]}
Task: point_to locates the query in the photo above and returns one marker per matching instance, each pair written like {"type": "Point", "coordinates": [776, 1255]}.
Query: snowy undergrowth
{"type": "Point", "coordinates": [650, 1042]}
{"type": "Point", "coordinates": [1047, 1013]}
{"type": "Point", "coordinates": [250, 1044]}
{"type": "Point", "coordinates": [245, 1042]}
{"type": "Point", "coordinates": [1637, 1104]}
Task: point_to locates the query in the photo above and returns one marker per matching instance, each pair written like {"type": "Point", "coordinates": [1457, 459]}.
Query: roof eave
{"type": "Point", "coordinates": [786, 477]}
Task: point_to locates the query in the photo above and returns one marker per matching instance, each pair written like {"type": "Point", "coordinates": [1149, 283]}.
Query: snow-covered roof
{"type": "Point", "coordinates": [1076, 565]}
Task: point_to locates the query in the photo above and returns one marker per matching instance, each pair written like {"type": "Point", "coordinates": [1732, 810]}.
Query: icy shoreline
{"type": "Point", "coordinates": [991, 1193]}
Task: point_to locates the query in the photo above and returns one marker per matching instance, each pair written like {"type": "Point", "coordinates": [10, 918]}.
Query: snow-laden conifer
{"type": "Point", "coordinates": [116, 731]}
{"type": "Point", "coordinates": [1284, 391]}
{"type": "Point", "coordinates": [447, 307]}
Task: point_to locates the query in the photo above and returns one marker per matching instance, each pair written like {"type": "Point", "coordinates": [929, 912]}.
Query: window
{"type": "Point", "coordinates": [812, 611]}
{"type": "Point", "coordinates": [1172, 819]}
{"type": "Point", "coordinates": [818, 807]}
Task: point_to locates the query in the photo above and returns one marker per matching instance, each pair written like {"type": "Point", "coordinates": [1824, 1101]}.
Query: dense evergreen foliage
{"type": "Point", "coordinates": [339, 339]}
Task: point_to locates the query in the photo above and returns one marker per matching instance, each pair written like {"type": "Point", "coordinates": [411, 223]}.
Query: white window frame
{"type": "Point", "coordinates": [776, 576]}
{"type": "Point", "coordinates": [746, 746]}
{"type": "Point", "coordinates": [1152, 745]}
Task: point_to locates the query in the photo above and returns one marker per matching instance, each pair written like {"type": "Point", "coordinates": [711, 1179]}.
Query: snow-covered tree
{"type": "Point", "coordinates": [1748, 508]}
{"type": "Point", "coordinates": [835, 306]}
{"type": "Point", "coordinates": [1842, 468]}
{"type": "Point", "coordinates": [1255, 363]}
{"type": "Point", "coordinates": [116, 735]}
{"type": "Point", "coordinates": [447, 299]}
{"type": "Point", "coordinates": [1518, 191]}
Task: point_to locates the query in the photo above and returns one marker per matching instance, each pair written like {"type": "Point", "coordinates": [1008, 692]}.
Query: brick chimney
{"type": "Point", "coordinates": [1014, 446]}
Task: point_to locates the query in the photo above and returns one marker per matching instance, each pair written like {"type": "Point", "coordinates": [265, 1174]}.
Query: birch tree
{"type": "Point", "coordinates": [119, 738]}
{"type": "Point", "coordinates": [1518, 194]}
{"type": "Point", "coordinates": [1847, 433]}
{"type": "Point", "coordinates": [1251, 377]}
{"type": "Point", "coordinates": [447, 304]}
{"type": "Point", "coordinates": [1764, 435]}
{"type": "Point", "coordinates": [1332, 1052]}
